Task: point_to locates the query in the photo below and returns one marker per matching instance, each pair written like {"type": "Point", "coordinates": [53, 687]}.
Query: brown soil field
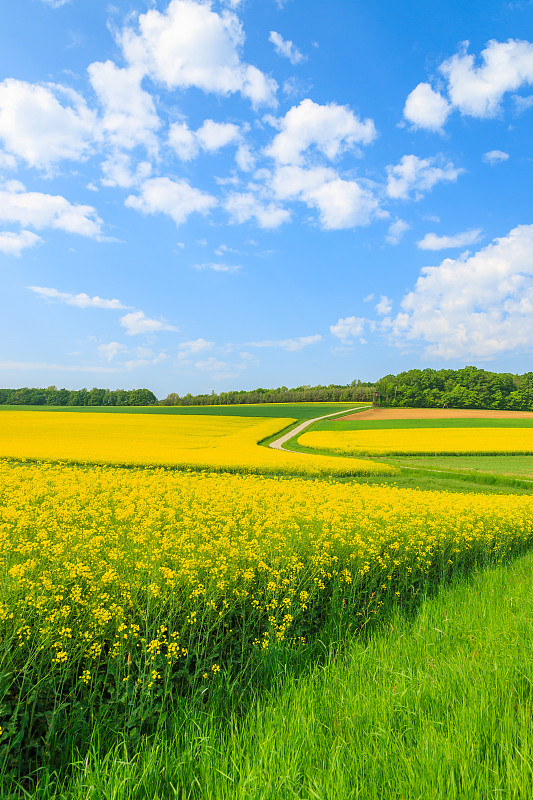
{"type": "Point", "coordinates": [435, 413]}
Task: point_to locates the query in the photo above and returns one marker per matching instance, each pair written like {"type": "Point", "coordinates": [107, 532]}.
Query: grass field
{"type": "Point", "coordinates": [514, 466]}
{"type": "Point", "coordinates": [297, 411]}
{"type": "Point", "coordinates": [191, 634]}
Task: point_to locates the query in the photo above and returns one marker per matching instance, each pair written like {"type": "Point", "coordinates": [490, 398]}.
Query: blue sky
{"type": "Point", "coordinates": [202, 195]}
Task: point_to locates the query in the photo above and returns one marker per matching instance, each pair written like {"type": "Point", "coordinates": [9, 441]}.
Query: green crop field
{"type": "Point", "coordinates": [300, 411]}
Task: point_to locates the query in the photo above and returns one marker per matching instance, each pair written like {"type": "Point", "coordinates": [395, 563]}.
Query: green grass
{"type": "Point", "coordinates": [516, 466]}
{"type": "Point", "coordinates": [300, 411]}
{"type": "Point", "coordinates": [438, 705]}
{"type": "Point", "coordinates": [417, 424]}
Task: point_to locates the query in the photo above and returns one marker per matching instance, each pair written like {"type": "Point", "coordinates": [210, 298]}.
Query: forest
{"type": "Point", "coordinates": [52, 396]}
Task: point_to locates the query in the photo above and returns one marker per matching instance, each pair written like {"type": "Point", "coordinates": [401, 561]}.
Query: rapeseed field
{"type": "Point", "coordinates": [169, 568]}
{"type": "Point", "coordinates": [424, 441]}
{"type": "Point", "coordinates": [221, 443]}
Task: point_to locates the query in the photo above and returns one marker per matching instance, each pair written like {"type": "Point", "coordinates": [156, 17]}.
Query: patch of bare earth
{"type": "Point", "coordinates": [435, 413]}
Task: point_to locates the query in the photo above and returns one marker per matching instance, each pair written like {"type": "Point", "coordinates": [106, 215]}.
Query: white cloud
{"type": "Point", "coordinates": [12, 244]}
{"type": "Point", "coordinates": [341, 203]}
{"type": "Point", "coordinates": [144, 357]}
{"type": "Point", "coordinates": [331, 129]}
{"type": "Point", "coordinates": [478, 91]}
{"type": "Point", "coordinates": [425, 108]}
{"type": "Point", "coordinates": [413, 175]}
{"type": "Point", "coordinates": [432, 241]}
{"type": "Point", "coordinates": [348, 328]}
{"type": "Point", "coordinates": [244, 207]}
{"type": "Point", "coordinates": [191, 349]}
{"type": "Point", "coordinates": [291, 345]}
{"type": "Point", "coordinates": [111, 350]}
{"type": "Point", "coordinates": [178, 199]}
{"type": "Point", "coordinates": [129, 116]}
{"type": "Point", "coordinates": [476, 306]}
{"type": "Point", "coordinates": [214, 135]}
{"type": "Point", "coordinates": [137, 322]}
{"type": "Point", "coordinates": [118, 170]}
{"type": "Point", "coordinates": [384, 306]}
{"type": "Point", "coordinates": [495, 157]}
{"type": "Point", "coordinates": [210, 137]}
{"type": "Point", "coordinates": [45, 124]}
{"type": "Point", "coordinates": [81, 300]}
{"type": "Point", "coordinates": [183, 140]}
{"type": "Point", "coordinates": [396, 231]}
{"type": "Point", "coordinates": [285, 48]}
{"type": "Point", "coordinates": [7, 162]}
{"type": "Point", "coordinates": [244, 158]}
{"type": "Point", "coordinates": [47, 211]}
{"type": "Point", "coordinates": [56, 3]}
{"type": "Point", "coordinates": [191, 45]}
{"type": "Point", "coordinates": [217, 267]}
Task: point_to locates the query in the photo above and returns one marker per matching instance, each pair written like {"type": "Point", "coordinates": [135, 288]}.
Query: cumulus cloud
{"type": "Point", "coordinates": [7, 162]}
{"type": "Point", "coordinates": [291, 345]}
{"type": "Point", "coordinates": [474, 90]}
{"type": "Point", "coordinates": [119, 170]}
{"type": "Point", "coordinates": [478, 91]}
{"type": "Point", "coordinates": [137, 322]}
{"type": "Point", "coordinates": [129, 117]}
{"type": "Point", "coordinates": [414, 176]}
{"type": "Point", "coordinates": [476, 306]}
{"type": "Point", "coordinates": [285, 48]}
{"type": "Point", "coordinates": [396, 231]}
{"type": "Point", "coordinates": [384, 306]}
{"type": "Point", "coordinates": [432, 241]}
{"type": "Point", "coordinates": [242, 207]}
{"type": "Point", "coordinates": [495, 157]}
{"type": "Point", "coordinates": [47, 211]}
{"type": "Point", "coordinates": [348, 328]}
{"type": "Point", "coordinates": [329, 129]}
{"type": "Point", "coordinates": [81, 300]}
{"type": "Point", "coordinates": [340, 203]}
{"type": "Point", "coordinates": [12, 244]}
{"type": "Point", "coordinates": [210, 137]}
{"type": "Point", "coordinates": [426, 108]}
{"type": "Point", "coordinates": [189, 45]}
{"type": "Point", "coordinates": [111, 350]}
{"type": "Point", "coordinates": [178, 199]}
{"type": "Point", "coordinates": [45, 124]}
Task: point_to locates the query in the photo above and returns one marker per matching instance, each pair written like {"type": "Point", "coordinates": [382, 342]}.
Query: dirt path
{"type": "Point", "coordinates": [436, 413]}
{"type": "Point", "coordinates": [278, 444]}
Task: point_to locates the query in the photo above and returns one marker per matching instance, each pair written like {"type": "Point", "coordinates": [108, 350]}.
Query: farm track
{"type": "Point", "coordinates": [278, 443]}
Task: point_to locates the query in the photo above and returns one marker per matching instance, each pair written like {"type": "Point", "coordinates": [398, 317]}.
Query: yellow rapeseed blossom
{"type": "Point", "coordinates": [105, 564]}
{"type": "Point", "coordinates": [210, 442]}
{"type": "Point", "coordinates": [428, 441]}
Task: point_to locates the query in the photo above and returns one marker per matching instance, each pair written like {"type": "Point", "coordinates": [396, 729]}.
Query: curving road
{"type": "Point", "coordinates": [278, 444]}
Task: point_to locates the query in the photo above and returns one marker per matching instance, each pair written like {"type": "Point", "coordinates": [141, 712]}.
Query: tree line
{"type": "Point", "coordinates": [52, 396]}
{"type": "Point", "coordinates": [355, 392]}
{"type": "Point", "coordinates": [469, 387]}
